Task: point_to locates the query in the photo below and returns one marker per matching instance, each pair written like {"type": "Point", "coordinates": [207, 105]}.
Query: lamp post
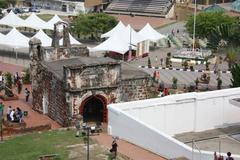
{"type": "Point", "coordinates": [130, 41]}
{"type": "Point", "coordinates": [194, 24]}
{"type": "Point", "coordinates": [88, 128]}
{"type": "Point", "coordinates": [1, 120]}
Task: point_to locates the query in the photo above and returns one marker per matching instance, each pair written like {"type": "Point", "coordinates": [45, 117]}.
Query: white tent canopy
{"type": "Point", "coordinates": [54, 20]}
{"type": "Point", "coordinates": [120, 41]}
{"type": "Point", "coordinates": [114, 43]}
{"type": "Point", "coordinates": [149, 33]}
{"type": "Point", "coordinates": [44, 38]}
{"type": "Point", "coordinates": [72, 40]}
{"type": "Point", "coordinates": [15, 39]}
{"type": "Point", "coordinates": [35, 22]}
{"type": "Point", "coordinates": [118, 28]}
{"type": "Point", "coordinates": [12, 20]}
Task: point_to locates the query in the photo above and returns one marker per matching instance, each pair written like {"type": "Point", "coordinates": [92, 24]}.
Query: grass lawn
{"type": "Point", "coordinates": [30, 146]}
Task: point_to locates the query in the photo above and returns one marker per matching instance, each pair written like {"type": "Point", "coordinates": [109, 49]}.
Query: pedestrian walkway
{"type": "Point", "coordinates": [34, 118]}
{"type": "Point", "coordinates": [132, 151]}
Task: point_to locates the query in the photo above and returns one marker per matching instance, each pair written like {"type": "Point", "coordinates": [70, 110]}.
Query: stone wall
{"type": "Point", "coordinates": [50, 53]}
{"type": "Point", "coordinates": [92, 76]}
{"type": "Point", "coordinates": [52, 89]}
{"type": "Point", "coordinates": [137, 89]}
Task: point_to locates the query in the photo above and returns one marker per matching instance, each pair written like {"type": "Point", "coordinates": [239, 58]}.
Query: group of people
{"type": "Point", "coordinates": [220, 157]}
{"type": "Point", "coordinates": [14, 115]}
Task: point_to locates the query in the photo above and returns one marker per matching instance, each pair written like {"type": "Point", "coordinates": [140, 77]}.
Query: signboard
{"type": "Point", "coordinates": [1, 111]}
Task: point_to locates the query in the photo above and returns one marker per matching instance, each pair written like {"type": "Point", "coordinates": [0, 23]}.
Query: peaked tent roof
{"type": "Point", "coordinates": [72, 40]}
{"type": "Point", "coordinates": [134, 37]}
{"type": "Point", "coordinates": [214, 8]}
{"type": "Point", "coordinates": [114, 43]}
{"type": "Point", "coordinates": [118, 28]}
{"type": "Point", "coordinates": [44, 38]}
{"type": "Point", "coordinates": [35, 22]}
{"type": "Point", "coordinates": [16, 39]}
{"type": "Point", "coordinates": [11, 19]}
{"type": "Point", "coordinates": [54, 20]}
{"type": "Point", "coordinates": [148, 32]}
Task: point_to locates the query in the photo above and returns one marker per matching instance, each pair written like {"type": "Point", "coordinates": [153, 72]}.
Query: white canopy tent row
{"type": "Point", "coordinates": [33, 21]}
{"type": "Point", "coordinates": [120, 40]}
{"type": "Point", "coordinates": [16, 39]}
{"type": "Point", "coordinates": [124, 36]}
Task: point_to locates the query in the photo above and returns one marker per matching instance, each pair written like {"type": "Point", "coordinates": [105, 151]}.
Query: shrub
{"type": "Point", "coordinates": [174, 81]}
{"type": "Point", "coordinates": [26, 76]}
{"type": "Point", "coordinates": [9, 81]}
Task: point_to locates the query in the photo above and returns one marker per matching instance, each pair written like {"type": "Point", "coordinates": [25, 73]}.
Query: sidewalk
{"type": "Point", "coordinates": [132, 151]}
{"type": "Point", "coordinates": [34, 118]}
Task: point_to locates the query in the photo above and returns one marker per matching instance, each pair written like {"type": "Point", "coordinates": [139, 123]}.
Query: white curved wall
{"type": "Point", "coordinates": [150, 123]}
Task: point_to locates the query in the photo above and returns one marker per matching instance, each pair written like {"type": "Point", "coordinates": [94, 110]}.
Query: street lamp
{"type": "Point", "coordinates": [86, 132]}
{"type": "Point", "coordinates": [130, 41]}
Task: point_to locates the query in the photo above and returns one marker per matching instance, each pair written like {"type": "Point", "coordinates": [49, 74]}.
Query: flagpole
{"type": "Point", "coordinates": [194, 25]}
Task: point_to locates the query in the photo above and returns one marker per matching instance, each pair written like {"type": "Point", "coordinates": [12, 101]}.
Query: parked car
{"type": "Point", "coordinates": [18, 10]}
{"type": "Point", "coordinates": [33, 9]}
{"type": "Point", "coordinates": [25, 9]}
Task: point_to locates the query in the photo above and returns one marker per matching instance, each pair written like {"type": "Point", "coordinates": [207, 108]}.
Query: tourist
{"type": "Point", "coordinates": [165, 92]}
{"type": "Point", "coordinates": [173, 32]}
{"type": "Point", "coordinates": [113, 150]}
{"type": "Point", "coordinates": [9, 110]}
{"type": "Point", "coordinates": [229, 156]}
{"type": "Point", "coordinates": [26, 93]}
{"type": "Point", "coordinates": [161, 61]}
{"type": "Point", "coordinates": [19, 85]}
{"type": "Point", "coordinates": [1, 78]}
{"type": "Point", "coordinates": [1, 109]}
{"type": "Point", "coordinates": [156, 59]}
{"type": "Point", "coordinates": [16, 77]}
{"type": "Point", "coordinates": [19, 115]}
{"type": "Point", "coordinates": [169, 43]}
{"type": "Point", "coordinates": [12, 115]}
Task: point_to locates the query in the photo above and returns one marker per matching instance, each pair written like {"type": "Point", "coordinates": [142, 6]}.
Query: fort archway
{"type": "Point", "coordinates": [94, 109]}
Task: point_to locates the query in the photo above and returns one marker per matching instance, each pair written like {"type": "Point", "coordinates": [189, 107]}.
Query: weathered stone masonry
{"type": "Point", "coordinates": [66, 81]}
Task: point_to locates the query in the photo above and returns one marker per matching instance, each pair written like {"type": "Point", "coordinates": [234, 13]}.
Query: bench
{"type": "Point", "coordinates": [49, 157]}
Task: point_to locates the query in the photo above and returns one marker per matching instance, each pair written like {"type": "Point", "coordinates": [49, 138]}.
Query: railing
{"type": "Point", "coordinates": [195, 145]}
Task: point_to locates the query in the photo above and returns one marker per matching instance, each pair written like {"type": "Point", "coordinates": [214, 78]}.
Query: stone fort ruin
{"type": "Point", "coordinates": [66, 81]}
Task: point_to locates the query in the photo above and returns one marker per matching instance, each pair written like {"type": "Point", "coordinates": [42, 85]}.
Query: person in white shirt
{"type": "Point", "coordinates": [12, 115]}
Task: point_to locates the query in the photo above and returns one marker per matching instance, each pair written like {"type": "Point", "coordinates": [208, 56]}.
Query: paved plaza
{"type": "Point", "coordinates": [221, 139]}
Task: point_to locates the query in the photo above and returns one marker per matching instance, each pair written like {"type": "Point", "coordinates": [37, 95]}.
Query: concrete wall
{"type": "Point", "coordinates": [150, 123]}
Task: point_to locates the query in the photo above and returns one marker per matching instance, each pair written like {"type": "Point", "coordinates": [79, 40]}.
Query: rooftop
{"type": "Point", "coordinates": [128, 71]}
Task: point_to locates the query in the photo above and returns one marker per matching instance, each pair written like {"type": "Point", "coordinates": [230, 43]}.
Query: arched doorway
{"type": "Point", "coordinates": [94, 109]}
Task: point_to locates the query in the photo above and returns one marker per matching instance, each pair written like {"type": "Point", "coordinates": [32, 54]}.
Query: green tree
{"type": "Point", "coordinates": [207, 21]}
{"type": "Point", "coordinates": [235, 70]}
{"type": "Point", "coordinates": [93, 24]}
{"type": "Point", "coordinates": [3, 4]}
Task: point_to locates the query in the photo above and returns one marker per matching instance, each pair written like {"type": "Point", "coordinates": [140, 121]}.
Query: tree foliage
{"type": "Point", "coordinates": [7, 3]}
{"type": "Point", "coordinates": [206, 22]}
{"type": "Point", "coordinates": [93, 24]}
{"type": "Point", "coordinates": [235, 70]}
{"type": "Point", "coordinates": [224, 36]}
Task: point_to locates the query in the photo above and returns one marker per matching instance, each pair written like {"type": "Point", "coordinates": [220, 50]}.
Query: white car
{"type": "Point", "coordinates": [25, 9]}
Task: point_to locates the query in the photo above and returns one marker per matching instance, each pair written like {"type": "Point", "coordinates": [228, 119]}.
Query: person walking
{"type": "Point", "coordinates": [229, 156]}
{"type": "Point", "coordinates": [113, 150]}
{"type": "Point", "coordinates": [26, 93]}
